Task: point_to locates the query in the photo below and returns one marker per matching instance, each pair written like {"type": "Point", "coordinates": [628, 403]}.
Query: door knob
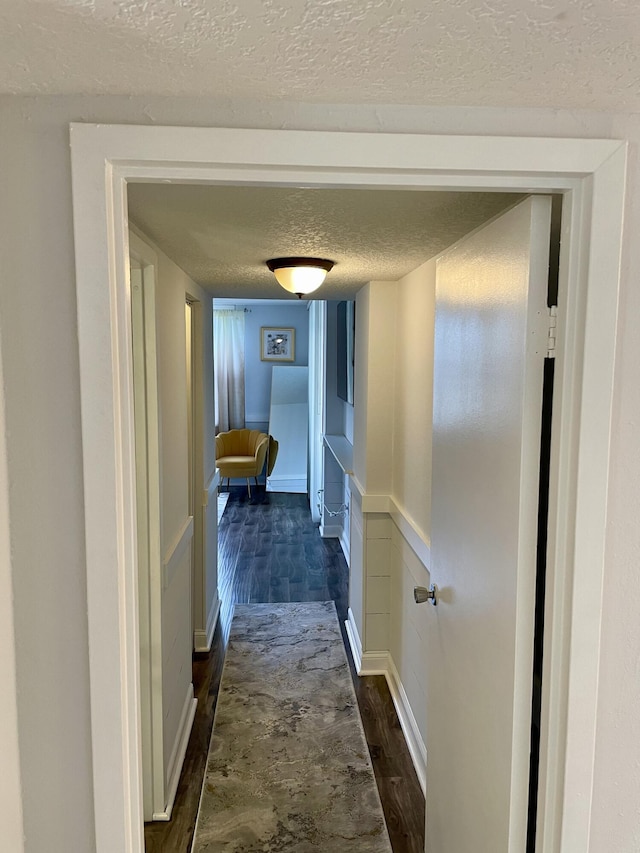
{"type": "Point", "coordinates": [422, 594]}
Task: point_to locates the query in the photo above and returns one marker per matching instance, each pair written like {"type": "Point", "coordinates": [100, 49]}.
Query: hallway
{"type": "Point", "coordinates": [270, 551]}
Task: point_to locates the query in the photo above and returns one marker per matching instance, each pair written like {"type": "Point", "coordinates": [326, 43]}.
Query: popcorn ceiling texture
{"type": "Point", "coordinates": [222, 236]}
{"type": "Point", "coordinates": [534, 53]}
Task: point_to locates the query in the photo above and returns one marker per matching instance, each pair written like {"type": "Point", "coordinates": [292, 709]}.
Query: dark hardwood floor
{"type": "Point", "coordinates": [270, 550]}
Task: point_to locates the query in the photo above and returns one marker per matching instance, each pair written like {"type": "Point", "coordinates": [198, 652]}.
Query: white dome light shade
{"type": "Point", "coordinates": [300, 275]}
{"type": "Point", "coordinates": [300, 279]}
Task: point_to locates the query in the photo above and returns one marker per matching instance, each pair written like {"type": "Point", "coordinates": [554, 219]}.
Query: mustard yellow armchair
{"type": "Point", "coordinates": [241, 453]}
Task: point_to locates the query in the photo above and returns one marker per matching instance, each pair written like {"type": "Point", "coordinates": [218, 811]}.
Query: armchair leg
{"type": "Point", "coordinates": [249, 487]}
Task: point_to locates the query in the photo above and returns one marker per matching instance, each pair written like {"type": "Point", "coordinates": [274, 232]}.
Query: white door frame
{"type": "Point", "coordinates": [199, 576]}
{"type": "Point", "coordinates": [149, 533]}
{"type": "Point", "coordinates": [13, 819]}
{"type": "Point", "coordinates": [317, 352]}
{"type": "Point", "coordinates": [591, 173]}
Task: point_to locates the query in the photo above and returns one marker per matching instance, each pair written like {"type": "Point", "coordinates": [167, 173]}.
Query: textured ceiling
{"type": "Point", "coordinates": [546, 53]}
{"type": "Point", "coordinates": [221, 236]}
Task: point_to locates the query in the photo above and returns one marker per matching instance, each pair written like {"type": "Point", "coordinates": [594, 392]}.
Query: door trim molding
{"type": "Point", "coordinates": [149, 525]}
{"type": "Point", "coordinates": [590, 172]}
{"type": "Point", "coordinates": [13, 822]}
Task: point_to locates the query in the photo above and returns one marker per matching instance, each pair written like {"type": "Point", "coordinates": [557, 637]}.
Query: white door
{"type": "Point", "coordinates": [317, 338]}
{"type": "Point", "coordinates": [490, 344]}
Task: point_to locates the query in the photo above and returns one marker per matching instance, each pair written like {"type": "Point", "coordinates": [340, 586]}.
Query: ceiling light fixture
{"type": "Point", "coordinates": [300, 275]}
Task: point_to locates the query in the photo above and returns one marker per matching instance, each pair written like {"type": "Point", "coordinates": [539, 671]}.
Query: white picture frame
{"type": "Point", "coordinates": [277, 344]}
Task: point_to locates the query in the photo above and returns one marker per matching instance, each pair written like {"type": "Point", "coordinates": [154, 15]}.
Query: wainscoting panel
{"type": "Point", "coordinates": [379, 555]}
{"type": "Point", "coordinates": [207, 618]}
{"type": "Point", "coordinates": [378, 594]}
{"type": "Point", "coordinates": [407, 641]}
{"type": "Point", "coordinates": [382, 663]}
{"type": "Point", "coordinates": [377, 529]}
{"type": "Point", "coordinates": [386, 628]}
{"type": "Point", "coordinates": [377, 632]}
{"type": "Point", "coordinates": [177, 639]}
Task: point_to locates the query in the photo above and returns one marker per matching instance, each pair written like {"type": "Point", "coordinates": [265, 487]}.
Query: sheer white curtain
{"type": "Point", "coordinates": [228, 365]}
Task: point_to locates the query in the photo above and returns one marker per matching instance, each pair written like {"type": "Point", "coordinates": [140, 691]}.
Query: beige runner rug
{"type": "Point", "coordinates": [288, 767]}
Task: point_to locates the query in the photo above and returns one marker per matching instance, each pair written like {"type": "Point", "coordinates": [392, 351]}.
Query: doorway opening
{"type": "Point", "coordinates": [551, 165]}
{"type": "Point", "coordinates": [282, 594]}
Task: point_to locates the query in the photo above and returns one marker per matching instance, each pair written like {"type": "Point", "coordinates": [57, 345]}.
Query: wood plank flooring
{"type": "Point", "coordinates": [270, 550]}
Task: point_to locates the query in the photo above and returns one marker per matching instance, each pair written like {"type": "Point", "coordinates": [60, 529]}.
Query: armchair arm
{"type": "Point", "coordinates": [261, 453]}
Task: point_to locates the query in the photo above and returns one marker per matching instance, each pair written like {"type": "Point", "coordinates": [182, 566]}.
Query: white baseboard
{"type": "Point", "coordinates": [330, 531]}
{"type": "Point", "coordinates": [295, 485]}
{"type": "Point", "coordinates": [345, 545]}
{"type": "Point", "coordinates": [366, 663]}
{"type": "Point", "coordinates": [354, 640]}
{"type": "Point", "coordinates": [374, 663]}
{"type": "Point", "coordinates": [200, 643]}
{"type": "Point", "coordinates": [202, 639]}
{"type": "Point", "coordinates": [178, 753]}
{"type": "Point", "coordinates": [408, 723]}
{"type": "Point", "coordinates": [381, 663]}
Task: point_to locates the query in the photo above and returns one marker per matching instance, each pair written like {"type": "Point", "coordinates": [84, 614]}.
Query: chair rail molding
{"type": "Point", "coordinates": [175, 552]}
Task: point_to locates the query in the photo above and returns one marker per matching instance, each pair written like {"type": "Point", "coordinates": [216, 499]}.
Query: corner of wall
{"type": "Point", "coordinates": [11, 788]}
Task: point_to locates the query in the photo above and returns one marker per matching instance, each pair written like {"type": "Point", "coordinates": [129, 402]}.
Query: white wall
{"type": "Point", "coordinates": [394, 384]}
{"type": "Point", "coordinates": [374, 381]}
{"type": "Point", "coordinates": [413, 394]}
{"type": "Point", "coordinates": [40, 358]}
{"type": "Point", "coordinates": [382, 313]}
{"type": "Point", "coordinates": [361, 386]}
{"type": "Point", "coordinates": [10, 787]}
{"type": "Point", "coordinates": [375, 344]}
{"type": "Point", "coordinates": [258, 373]}
{"type": "Point", "coordinates": [411, 478]}
{"type": "Point", "coordinates": [407, 629]}
{"type": "Point", "coordinates": [616, 818]}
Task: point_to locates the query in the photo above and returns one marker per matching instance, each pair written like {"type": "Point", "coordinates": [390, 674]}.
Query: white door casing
{"type": "Point", "coordinates": [144, 264]}
{"type": "Point", "coordinates": [490, 344]}
{"type": "Point", "coordinates": [591, 174]}
{"type": "Point", "coordinates": [317, 313]}
{"type": "Point", "coordinates": [195, 431]}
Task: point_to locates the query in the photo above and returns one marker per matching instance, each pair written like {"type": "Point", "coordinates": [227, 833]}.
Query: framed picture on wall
{"type": "Point", "coordinates": [277, 344]}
